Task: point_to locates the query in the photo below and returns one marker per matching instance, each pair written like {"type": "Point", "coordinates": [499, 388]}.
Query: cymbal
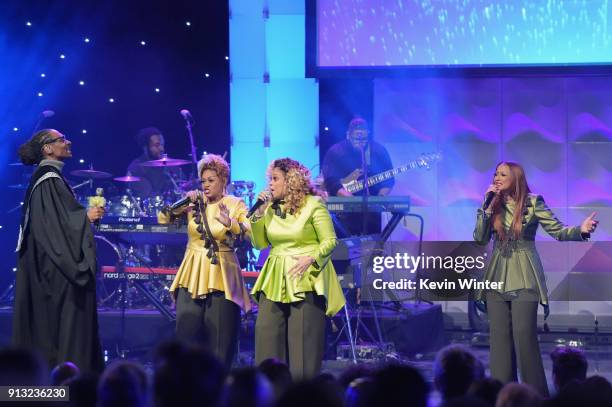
{"type": "Point", "coordinates": [128, 178]}
{"type": "Point", "coordinates": [91, 174]}
{"type": "Point", "coordinates": [18, 186]}
{"type": "Point", "coordinates": [165, 162]}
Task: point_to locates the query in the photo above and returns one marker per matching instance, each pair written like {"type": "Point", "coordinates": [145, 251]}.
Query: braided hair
{"type": "Point", "coordinates": [30, 152]}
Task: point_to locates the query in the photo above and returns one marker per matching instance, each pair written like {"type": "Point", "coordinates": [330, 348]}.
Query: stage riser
{"type": "Point", "coordinates": [411, 333]}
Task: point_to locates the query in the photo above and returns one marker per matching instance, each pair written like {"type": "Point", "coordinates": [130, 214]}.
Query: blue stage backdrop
{"type": "Point", "coordinates": [108, 69]}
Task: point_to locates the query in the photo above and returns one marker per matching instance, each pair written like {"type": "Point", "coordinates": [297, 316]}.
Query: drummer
{"type": "Point", "coordinates": [154, 180]}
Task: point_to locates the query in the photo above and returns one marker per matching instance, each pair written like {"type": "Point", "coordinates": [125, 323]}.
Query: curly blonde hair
{"type": "Point", "coordinates": [214, 163]}
{"type": "Point", "coordinates": [297, 182]}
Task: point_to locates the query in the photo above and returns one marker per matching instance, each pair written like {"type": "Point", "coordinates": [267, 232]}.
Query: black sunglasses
{"type": "Point", "coordinates": [53, 140]}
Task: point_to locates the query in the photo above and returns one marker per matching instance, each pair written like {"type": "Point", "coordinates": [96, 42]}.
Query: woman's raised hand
{"type": "Point", "coordinates": [589, 224]}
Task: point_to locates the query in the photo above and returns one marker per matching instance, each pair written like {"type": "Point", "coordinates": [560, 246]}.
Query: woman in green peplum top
{"type": "Point", "coordinates": [298, 285]}
{"type": "Point", "coordinates": [512, 218]}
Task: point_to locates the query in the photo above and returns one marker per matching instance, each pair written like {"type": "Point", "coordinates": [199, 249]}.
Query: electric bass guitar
{"type": "Point", "coordinates": [353, 184]}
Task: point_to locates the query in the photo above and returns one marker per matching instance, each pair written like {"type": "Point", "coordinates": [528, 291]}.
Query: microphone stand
{"type": "Point", "coordinates": [38, 122]}
{"type": "Point", "coordinates": [366, 191]}
{"type": "Point", "coordinates": [82, 184]}
{"type": "Point", "coordinates": [41, 117]}
{"type": "Point", "coordinates": [194, 157]}
{"type": "Point", "coordinates": [364, 228]}
{"type": "Point", "coordinates": [177, 189]}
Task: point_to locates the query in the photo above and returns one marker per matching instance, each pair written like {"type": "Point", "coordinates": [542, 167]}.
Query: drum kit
{"type": "Point", "coordinates": [127, 204]}
{"type": "Point", "coordinates": [123, 202]}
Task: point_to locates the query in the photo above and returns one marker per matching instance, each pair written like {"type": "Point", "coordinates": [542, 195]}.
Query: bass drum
{"type": "Point", "coordinates": [108, 286]}
{"type": "Point", "coordinates": [113, 281]}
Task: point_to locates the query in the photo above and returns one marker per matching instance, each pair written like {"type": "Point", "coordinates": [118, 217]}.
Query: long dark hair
{"type": "Point", "coordinates": [30, 152]}
{"type": "Point", "coordinates": [518, 192]}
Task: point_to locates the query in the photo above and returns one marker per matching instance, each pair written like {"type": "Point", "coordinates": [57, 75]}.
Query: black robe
{"type": "Point", "coordinates": [55, 293]}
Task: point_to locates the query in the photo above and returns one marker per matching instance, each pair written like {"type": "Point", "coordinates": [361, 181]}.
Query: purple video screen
{"type": "Point", "coordinates": [469, 33]}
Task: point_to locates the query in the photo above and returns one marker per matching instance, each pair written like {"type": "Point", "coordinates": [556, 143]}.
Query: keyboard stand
{"type": "Point", "coordinates": [378, 248]}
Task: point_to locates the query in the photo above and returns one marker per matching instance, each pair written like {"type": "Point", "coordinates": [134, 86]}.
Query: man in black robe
{"type": "Point", "coordinates": [55, 293]}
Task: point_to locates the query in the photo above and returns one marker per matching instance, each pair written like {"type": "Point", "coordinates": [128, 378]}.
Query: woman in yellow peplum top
{"type": "Point", "coordinates": [297, 285]}
{"type": "Point", "coordinates": [208, 287]}
{"type": "Point", "coordinates": [511, 219]}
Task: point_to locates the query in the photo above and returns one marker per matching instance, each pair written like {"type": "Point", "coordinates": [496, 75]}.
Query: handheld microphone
{"type": "Point", "coordinates": [488, 199]}
{"type": "Point", "coordinates": [180, 203]}
{"type": "Point", "coordinates": [99, 193]}
{"type": "Point", "coordinates": [257, 205]}
{"type": "Point", "coordinates": [97, 201]}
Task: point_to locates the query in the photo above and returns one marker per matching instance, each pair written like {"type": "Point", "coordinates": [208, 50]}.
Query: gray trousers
{"type": "Point", "coordinates": [293, 333]}
{"type": "Point", "coordinates": [212, 321]}
{"type": "Point", "coordinates": [514, 338]}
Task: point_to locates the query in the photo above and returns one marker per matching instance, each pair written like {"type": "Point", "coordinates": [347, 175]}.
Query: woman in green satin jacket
{"type": "Point", "coordinates": [512, 219]}
{"type": "Point", "coordinates": [297, 285]}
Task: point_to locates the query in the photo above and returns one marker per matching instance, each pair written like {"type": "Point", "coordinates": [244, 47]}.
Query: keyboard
{"type": "Point", "coordinates": [141, 224]}
{"type": "Point", "coordinates": [149, 273]}
{"type": "Point", "coordinates": [142, 229]}
{"type": "Point", "coordinates": [347, 204]}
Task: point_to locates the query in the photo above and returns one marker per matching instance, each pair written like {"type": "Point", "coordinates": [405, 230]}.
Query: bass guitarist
{"type": "Point", "coordinates": [343, 163]}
